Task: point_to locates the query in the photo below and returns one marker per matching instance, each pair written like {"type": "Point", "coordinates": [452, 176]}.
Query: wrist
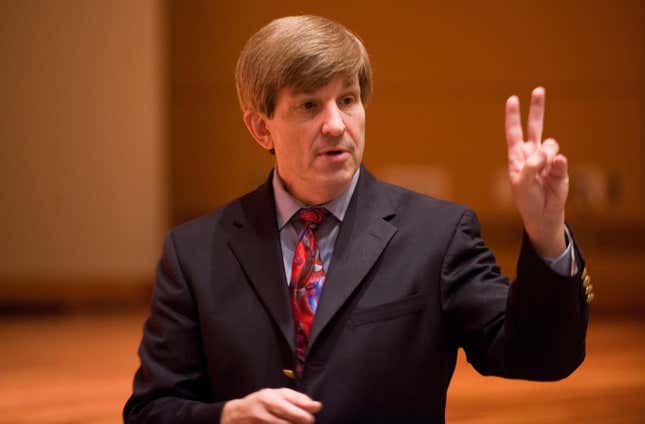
{"type": "Point", "coordinates": [228, 412]}
{"type": "Point", "coordinates": [549, 245]}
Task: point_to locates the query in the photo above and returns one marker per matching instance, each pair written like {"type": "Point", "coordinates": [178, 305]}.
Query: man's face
{"type": "Point", "coordinates": [318, 139]}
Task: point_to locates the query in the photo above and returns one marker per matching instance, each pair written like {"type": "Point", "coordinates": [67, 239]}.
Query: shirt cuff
{"type": "Point", "coordinates": [565, 264]}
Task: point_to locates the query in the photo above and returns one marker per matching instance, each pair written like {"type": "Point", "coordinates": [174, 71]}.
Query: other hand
{"type": "Point", "coordinates": [538, 175]}
{"type": "Point", "coordinates": [279, 406]}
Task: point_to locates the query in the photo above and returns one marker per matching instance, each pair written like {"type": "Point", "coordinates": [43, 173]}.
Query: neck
{"type": "Point", "coordinates": [313, 198]}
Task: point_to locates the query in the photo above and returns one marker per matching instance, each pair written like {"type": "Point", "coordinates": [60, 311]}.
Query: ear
{"type": "Point", "coordinates": [256, 123]}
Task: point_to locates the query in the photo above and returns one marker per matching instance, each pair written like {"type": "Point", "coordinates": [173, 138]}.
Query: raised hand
{"type": "Point", "coordinates": [538, 175]}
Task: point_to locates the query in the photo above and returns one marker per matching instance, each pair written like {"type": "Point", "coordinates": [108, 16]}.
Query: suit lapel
{"type": "Point", "coordinates": [256, 244]}
{"type": "Point", "coordinates": [363, 236]}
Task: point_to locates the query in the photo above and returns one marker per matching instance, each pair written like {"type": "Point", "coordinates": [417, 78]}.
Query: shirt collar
{"type": "Point", "coordinates": [286, 205]}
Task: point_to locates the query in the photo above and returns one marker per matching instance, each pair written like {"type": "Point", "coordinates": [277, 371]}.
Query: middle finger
{"type": "Point", "coordinates": [536, 117]}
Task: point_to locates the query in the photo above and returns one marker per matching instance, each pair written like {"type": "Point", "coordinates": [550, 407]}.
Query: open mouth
{"type": "Point", "coordinates": [334, 152]}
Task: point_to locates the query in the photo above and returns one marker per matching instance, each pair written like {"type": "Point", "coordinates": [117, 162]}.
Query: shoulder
{"type": "Point", "coordinates": [417, 207]}
{"type": "Point", "coordinates": [198, 227]}
{"type": "Point", "coordinates": [221, 222]}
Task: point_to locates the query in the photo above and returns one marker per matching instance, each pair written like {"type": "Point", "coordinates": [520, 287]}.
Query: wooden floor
{"type": "Point", "coordinates": [78, 369]}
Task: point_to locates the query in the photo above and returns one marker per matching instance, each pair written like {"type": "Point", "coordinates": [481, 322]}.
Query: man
{"type": "Point", "coordinates": [327, 295]}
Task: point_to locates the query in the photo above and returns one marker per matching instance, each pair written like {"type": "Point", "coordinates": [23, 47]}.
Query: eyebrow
{"type": "Point", "coordinates": [349, 82]}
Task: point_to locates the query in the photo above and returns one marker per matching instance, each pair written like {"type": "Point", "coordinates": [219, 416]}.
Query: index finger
{"type": "Point", "coordinates": [536, 116]}
{"type": "Point", "coordinates": [293, 406]}
{"type": "Point", "coordinates": [301, 400]}
{"type": "Point", "coordinates": [282, 408]}
{"type": "Point", "coordinates": [513, 126]}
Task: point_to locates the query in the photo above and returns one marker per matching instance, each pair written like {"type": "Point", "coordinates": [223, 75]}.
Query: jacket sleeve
{"type": "Point", "coordinates": [533, 328]}
{"type": "Point", "coordinates": [171, 384]}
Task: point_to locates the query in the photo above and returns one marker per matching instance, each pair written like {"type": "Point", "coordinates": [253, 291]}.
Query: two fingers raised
{"type": "Point", "coordinates": [514, 134]}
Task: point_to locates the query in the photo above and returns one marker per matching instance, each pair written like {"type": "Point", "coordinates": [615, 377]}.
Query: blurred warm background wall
{"type": "Point", "coordinates": [82, 133]}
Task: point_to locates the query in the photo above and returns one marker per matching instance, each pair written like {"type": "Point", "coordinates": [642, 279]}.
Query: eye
{"type": "Point", "coordinates": [308, 105]}
{"type": "Point", "coordinates": [348, 100]}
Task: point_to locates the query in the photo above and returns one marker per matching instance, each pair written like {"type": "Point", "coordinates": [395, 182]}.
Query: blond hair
{"type": "Point", "coordinates": [300, 52]}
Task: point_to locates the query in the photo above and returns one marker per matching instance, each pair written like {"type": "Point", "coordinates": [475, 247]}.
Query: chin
{"type": "Point", "coordinates": [338, 180]}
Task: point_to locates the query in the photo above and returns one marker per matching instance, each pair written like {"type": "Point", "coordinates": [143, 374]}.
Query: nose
{"type": "Point", "coordinates": [333, 124]}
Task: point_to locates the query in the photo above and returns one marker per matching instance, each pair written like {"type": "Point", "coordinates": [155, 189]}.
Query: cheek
{"type": "Point", "coordinates": [358, 129]}
{"type": "Point", "coordinates": [300, 149]}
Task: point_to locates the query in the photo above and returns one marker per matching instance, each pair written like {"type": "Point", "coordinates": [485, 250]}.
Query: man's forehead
{"type": "Point", "coordinates": [346, 82]}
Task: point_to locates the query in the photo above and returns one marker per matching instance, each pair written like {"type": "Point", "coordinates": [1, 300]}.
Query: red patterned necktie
{"type": "Point", "coordinates": [307, 279]}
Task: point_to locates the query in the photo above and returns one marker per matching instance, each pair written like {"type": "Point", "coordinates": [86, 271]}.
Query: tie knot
{"type": "Point", "coordinates": [313, 216]}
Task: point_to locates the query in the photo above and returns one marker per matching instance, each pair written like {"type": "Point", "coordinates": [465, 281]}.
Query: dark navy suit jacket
{"type": "Point", "coordinates": [410, 282]}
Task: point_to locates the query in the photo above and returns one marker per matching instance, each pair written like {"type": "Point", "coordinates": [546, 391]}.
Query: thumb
{"type": "Point", "coordinates": [302, 400]}
{"type": "Point", "coordinates": [559, 167]}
